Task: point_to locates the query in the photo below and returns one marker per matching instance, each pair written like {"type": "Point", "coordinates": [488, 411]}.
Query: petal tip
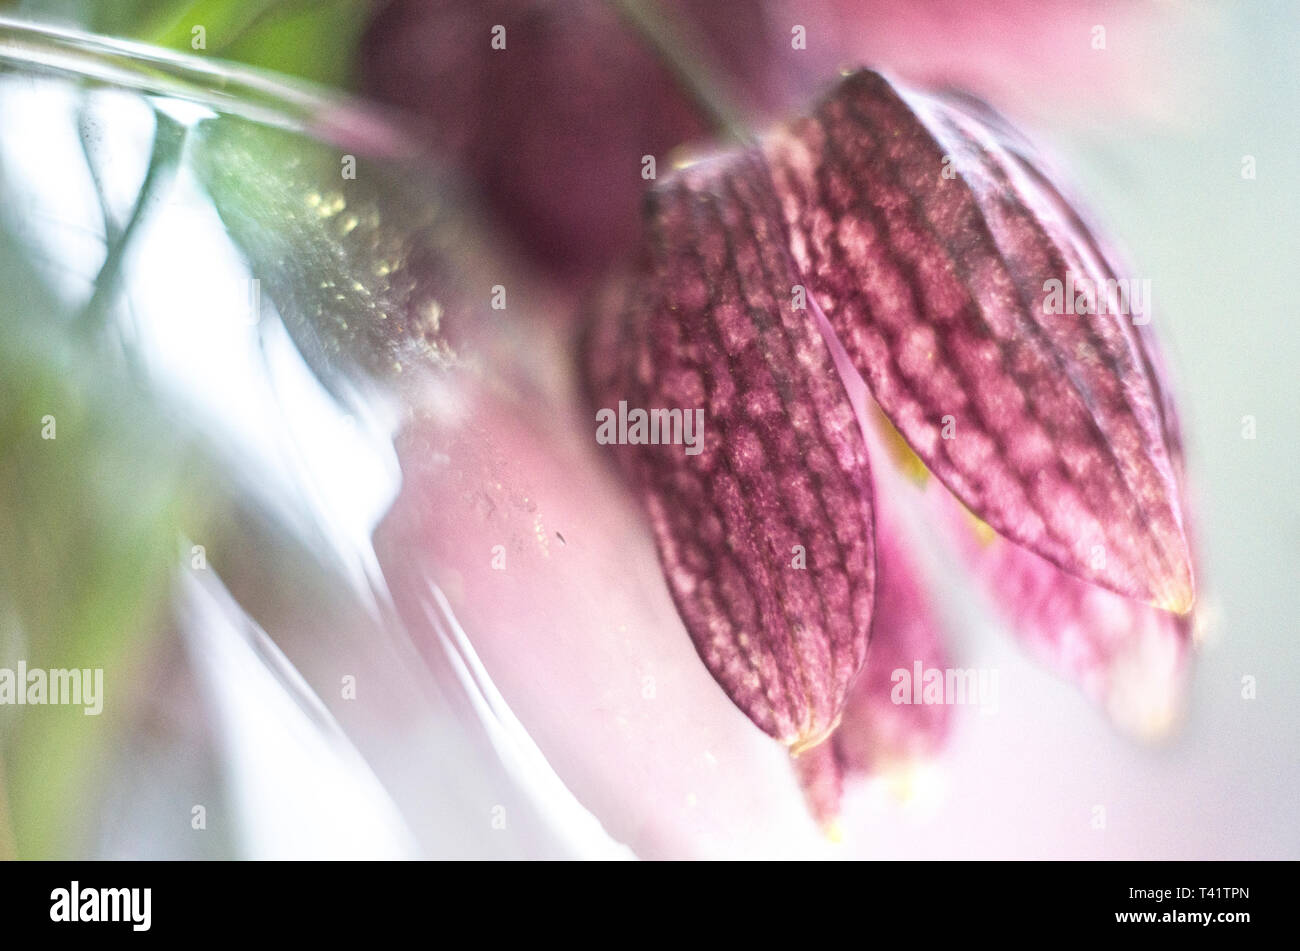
{"type": "Point", "coordinates": [810, 740]}
{"type": "Point", "coordinates": [1177, 594]}
{"type": "Point", "coordinates": [1181, 601]}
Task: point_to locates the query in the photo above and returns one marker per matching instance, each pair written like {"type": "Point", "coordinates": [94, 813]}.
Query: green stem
{"type": "Point", "coordinates": [111, 231]}
{"type": "Point", "coordinates": [169, 140]}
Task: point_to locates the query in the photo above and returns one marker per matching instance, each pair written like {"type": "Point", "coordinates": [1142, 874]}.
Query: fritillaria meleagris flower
{"type": "Point", "coordinates": [864, 286]}
{"type": "Point", "coordinates": [913, 242]}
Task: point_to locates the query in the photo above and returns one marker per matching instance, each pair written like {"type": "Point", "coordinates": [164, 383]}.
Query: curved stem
{"type": "Point", "coordinates": [687, 65]}
{"type": "Point", "coordinates": [169, 139]}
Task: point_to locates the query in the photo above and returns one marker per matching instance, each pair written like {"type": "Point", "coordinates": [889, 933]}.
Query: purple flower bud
{"type": "Point", "coordinates": [934, 248]}
{"type": "Point", "coordinates": [765, 535]}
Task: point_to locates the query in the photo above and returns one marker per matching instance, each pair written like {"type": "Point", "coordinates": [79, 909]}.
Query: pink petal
{"type": "Point", "coordinates": [1035, 57]}
{"type": "Point", "coordinates": [877, 732]}
{"type": "Point", "coordinates": [1131, 658]}
{"type": "Point", "coordinates": [821, 776]}
{"type": "Point", "coordinates": [576, 627]}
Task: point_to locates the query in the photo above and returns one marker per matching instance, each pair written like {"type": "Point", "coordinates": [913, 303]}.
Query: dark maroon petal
{"type": "Point", "coordinates": [553, 128]}
{"type": "Point", "coordinates": [882, 729]}
{"type": "Point", "coordinates": [936, 286]}
{"type": "Point", "coordinates": [766, 534]}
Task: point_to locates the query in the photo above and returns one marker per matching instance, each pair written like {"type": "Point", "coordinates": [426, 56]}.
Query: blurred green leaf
{"type": "Point", "coordinates": [88, 543]}
{"type": "Point", "coordinates": [310, 39]}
